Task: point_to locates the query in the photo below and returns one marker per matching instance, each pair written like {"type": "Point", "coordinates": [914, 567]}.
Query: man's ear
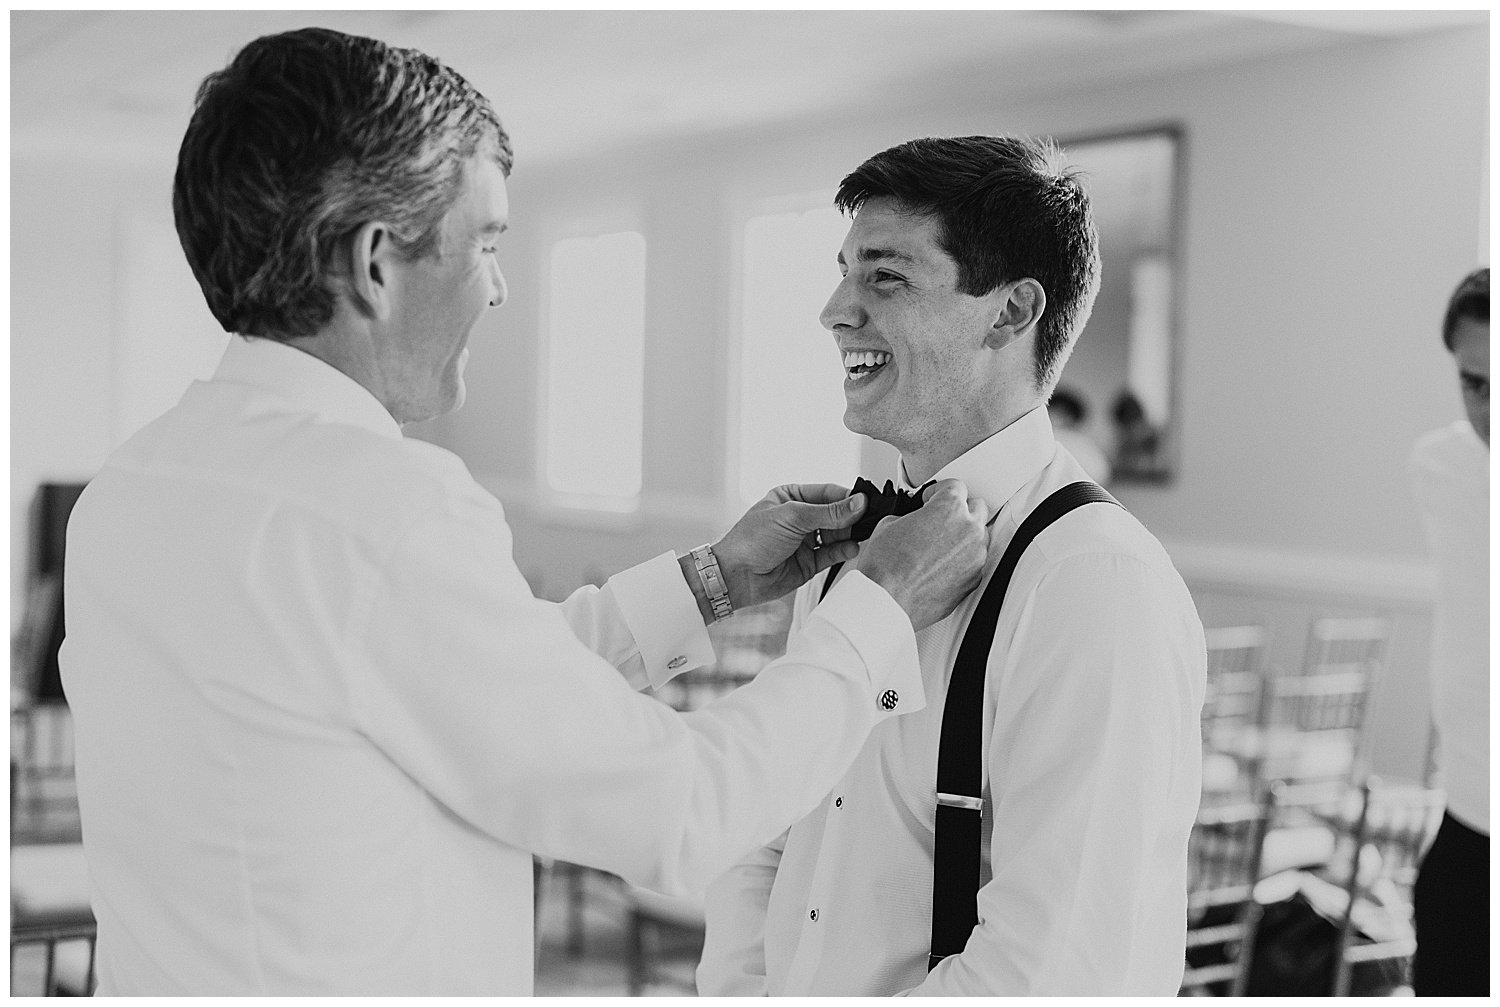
{"type": "Point", "coordinates": [368, 258]}
{"type": "Point", "coordinates": [1021, 306]}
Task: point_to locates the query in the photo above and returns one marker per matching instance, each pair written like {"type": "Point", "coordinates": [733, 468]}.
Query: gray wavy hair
{"type": "Point", "coordinates": [306, 136]}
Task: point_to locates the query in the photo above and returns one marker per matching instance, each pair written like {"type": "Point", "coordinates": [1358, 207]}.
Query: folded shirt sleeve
{"type": "Point", "coordinates": [644, 621]}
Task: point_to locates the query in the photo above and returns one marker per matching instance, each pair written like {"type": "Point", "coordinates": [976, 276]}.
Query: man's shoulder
{"type": "Point", "coordinates": [346, 472]}
{"type": "Point", "coordinates": [1116, 545]}
{"type": "Point", "coordinates": [1101, 529]}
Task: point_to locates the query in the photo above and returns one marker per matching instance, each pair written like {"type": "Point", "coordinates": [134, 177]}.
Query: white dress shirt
{"type": "Point", "coordinates": [1450, 470]}
{"type": "Point", "coordinates": [1093, 691]}
{"type": "Point", "coordinates": [323, 724]}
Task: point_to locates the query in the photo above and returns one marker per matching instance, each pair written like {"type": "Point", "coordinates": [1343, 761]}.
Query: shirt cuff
{"type": "Point", "coordinates": [881, 631]}
{"type": "Point", "coordinates": [662, 615]}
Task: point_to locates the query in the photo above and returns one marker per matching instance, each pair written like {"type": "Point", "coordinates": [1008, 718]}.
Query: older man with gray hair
{"type": "Point", "coordinates": [322, 723]}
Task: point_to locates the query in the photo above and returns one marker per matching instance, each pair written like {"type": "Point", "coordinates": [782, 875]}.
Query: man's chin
{"type": "Point", "coordinates": [857, 421]}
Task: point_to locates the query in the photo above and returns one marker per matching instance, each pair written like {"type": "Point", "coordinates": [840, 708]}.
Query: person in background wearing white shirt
{"type": "Point", "coordinates": [322, 723]}
{"type": "Point", "coordinates": [969, 269]}
{"type": "Point", "coordinates": [1450, 470]}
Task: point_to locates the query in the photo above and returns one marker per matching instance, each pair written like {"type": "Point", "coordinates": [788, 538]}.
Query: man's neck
{"type": "Point", "coordinates": [350, 350]}
{"type": "Point", "coordinates": [918, 472]}
{"type": "Point", "coordinates": [921, 465]}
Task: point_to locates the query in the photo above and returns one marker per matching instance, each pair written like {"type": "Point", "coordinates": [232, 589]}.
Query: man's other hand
{"type": "Point", "coordinates": [794, 532]}
{"type": "Point", "coordinates": [930, 560]}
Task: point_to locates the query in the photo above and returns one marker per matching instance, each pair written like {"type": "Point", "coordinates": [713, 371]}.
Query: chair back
{"type": "Point", "coordinates": [1224, 854]}
{"type": "Point", "coordinates": [1236, 672]}
{"type": "Point", "coordinates": [1388, 836]}
{"type": "Point", "coordinates": [1234, 649]}
{"type": "Point", "coordinates": [1346, 643]}
{"type": "Point", "coordinates": [1327, 702]}
{"type": "Point", "coordinates": [1316, 721]}
{"type": "Point", "coordinates": [52, 930]}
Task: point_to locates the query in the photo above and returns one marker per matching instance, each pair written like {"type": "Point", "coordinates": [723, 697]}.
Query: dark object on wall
{"type": "Point", "coordinates": [44, 627]}
{"type": "Point", "coordinates": [49, 523]}
{"type": "Point", "coordinates": [47, 685]}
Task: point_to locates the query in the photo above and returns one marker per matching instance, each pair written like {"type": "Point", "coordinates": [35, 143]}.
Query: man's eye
{"type": "Point", "coordinates": [882, 275]}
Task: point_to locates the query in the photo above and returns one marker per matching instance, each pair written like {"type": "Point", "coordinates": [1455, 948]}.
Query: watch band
{"type": "Point", "coordinates": [713, 582]}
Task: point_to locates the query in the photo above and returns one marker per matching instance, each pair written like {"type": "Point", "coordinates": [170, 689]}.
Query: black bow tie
{"type": "Point", "coordinates": [882, 503]}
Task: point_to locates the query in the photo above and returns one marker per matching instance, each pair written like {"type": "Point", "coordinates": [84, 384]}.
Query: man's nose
{"type": "Point", "coordinates": [841, 309]}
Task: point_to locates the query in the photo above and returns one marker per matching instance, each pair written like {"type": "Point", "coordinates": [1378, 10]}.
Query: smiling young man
{"type": "Point", "coordinates": [969, 270]}
{"type": "Point", "coordinates": [321, 723]}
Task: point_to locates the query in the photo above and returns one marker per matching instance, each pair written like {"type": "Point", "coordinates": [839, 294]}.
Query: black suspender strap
{"type": "Point", "coordinates": [960, 773]}
{"type": "Point", "coordinates": [956, 846]}
{"type": "Point", "coordinates": [833, 572]}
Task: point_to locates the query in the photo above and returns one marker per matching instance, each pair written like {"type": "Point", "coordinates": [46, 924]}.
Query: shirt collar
{"type": "Point", "coordinates": [998, 466]}
{"type": "Point", "coordinates": [304, 381]}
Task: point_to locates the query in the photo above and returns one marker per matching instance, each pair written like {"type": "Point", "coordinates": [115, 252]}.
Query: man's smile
{"type": "Point", "coordinates": [859, 364]}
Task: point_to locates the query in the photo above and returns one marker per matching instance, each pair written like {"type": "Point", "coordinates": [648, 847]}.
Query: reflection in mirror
{"type": "Point", "coordinates": [1115, 406]}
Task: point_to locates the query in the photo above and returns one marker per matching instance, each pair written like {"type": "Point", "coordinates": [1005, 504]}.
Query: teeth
{"type": "Point", "coordinates": [866, 358]}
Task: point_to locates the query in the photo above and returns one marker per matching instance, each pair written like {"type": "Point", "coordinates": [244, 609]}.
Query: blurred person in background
{"type": "Point", "coordinates": [322, 723]}
{"type": "Point", "coordinates": [1450, 470]}
{"type": "Point", "coordinates": [1069, 413]}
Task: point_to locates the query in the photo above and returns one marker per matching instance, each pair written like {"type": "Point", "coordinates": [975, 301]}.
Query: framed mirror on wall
{"type": "Point", "coordinates": [1117, 402]}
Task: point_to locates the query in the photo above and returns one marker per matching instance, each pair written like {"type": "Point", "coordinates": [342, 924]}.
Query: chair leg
{"type": "Point", "coordinates": [1241, 981]}
{"type": "Point", "coordinates": [575, 910]}
{"type": "Point", "coordinates": [1341, 970]}
{"type": "Point", "coordinates": [635, 964]}
{"type": "Point", "coordinates": [49, 974]}
{"type": "Point", "coordinates": [88, 978]}
{"type": "Point", "coordinates": [536, 893]}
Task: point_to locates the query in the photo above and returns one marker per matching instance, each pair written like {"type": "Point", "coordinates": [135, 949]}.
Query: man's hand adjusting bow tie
{"type": "Point", "coordinates": [889, 502]}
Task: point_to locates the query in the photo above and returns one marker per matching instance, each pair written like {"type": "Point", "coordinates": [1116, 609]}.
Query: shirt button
{"type": "Point", "coordinates": [677, 662]}
{"type": "Point", "coordinates": [838, 802]}
{"type": "Point", "coordinates": [813, 915]}
{"type": "Point", "coordinates": [889, 699]}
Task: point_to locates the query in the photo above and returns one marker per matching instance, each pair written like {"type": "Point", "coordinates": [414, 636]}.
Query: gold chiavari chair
{"type": "Point", "coordinates": [1386, 840]}
{"type": "Point", "coordinates": [1224, 862]}
{"type": "Point", "coordinates": [1232, 711]}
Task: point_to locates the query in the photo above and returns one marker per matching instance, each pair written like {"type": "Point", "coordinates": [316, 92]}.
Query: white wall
{"type": "Point", "coordinates": [1332, 201]}
{"type": "Point", "coordinates": [107, 326]}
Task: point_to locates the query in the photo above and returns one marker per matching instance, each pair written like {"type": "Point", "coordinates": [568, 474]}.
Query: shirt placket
{"type": "Point", "coordinates": [822, 903]}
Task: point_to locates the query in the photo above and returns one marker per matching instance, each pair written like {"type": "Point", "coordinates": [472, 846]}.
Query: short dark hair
{"type": "Point", "coordinates": [305, 137]}
{"type": "Point", "coordinates": [1007, 207]}
{"type": "Point", "coordinates": [1471, 299]}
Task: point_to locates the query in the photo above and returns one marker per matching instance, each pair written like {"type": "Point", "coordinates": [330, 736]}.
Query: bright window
{"type": "Point", "coordinates": [790, 380]}
{"type": "Point", "coordinates": [594, 360]}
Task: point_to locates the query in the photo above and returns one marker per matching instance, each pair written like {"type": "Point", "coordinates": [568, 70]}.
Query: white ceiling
{"type": "Point", "coordinates": [119, 84]}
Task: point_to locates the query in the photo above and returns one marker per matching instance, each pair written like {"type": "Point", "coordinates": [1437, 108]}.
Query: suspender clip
{"type": "Point", "coordinates": [961, 801]}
